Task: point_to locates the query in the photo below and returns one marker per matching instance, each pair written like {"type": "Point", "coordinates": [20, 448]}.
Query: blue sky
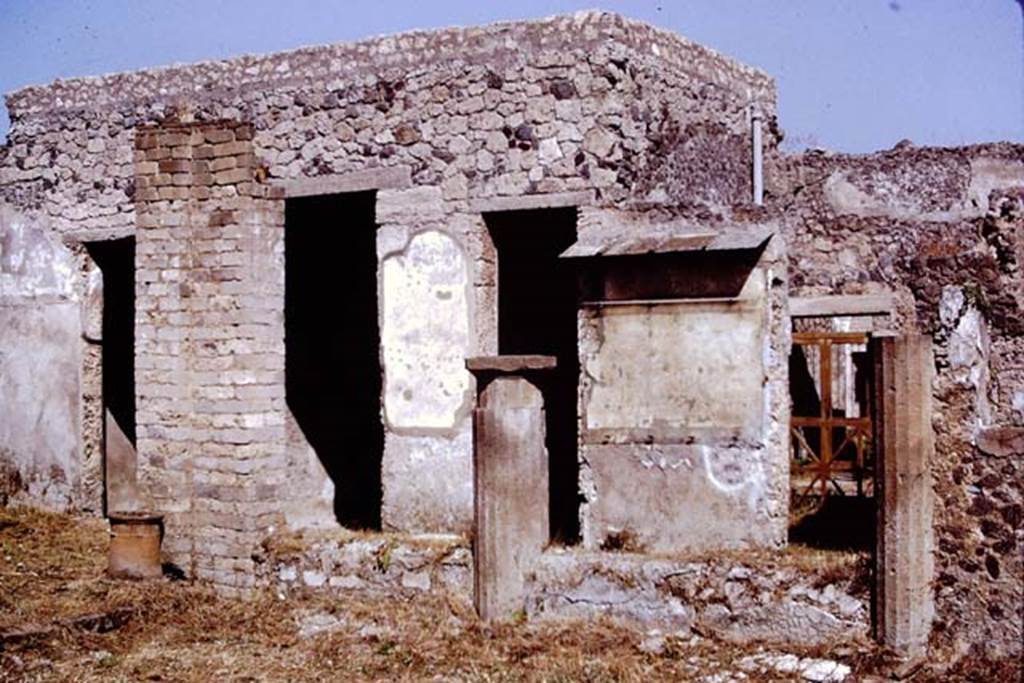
{"type": "Point", "coordinates": [853, 75]}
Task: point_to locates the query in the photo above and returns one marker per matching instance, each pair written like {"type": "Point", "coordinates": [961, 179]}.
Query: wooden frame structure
{"type": "Point", "coordinates": [835, 456]}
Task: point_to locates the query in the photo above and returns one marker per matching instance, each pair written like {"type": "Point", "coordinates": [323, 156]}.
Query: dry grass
{"type": "Point", "coordinates": [46, 561]}
{"type": "Point", "coordinates": [51, 568]}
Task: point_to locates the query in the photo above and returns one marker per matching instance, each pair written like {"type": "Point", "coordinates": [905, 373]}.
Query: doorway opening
{"type": "Point", "coordinates": [116, 261]}
{"type": "Point", "coordinates": [332, 345]}
{"type": "Point", "coordinates": [832, 464]}
{"type": "Point", "coordinates": [537, 302]}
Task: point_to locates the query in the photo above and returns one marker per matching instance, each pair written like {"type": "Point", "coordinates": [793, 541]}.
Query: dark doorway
{"type": "Point", "coordinates": [116, 261]}
{"type": "Point", "coordinates": [332, 345]}
{"type": "Point", "coordinates": [537, 315]}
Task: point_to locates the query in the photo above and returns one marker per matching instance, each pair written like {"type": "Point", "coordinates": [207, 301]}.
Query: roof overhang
{"type": "Point", "coordinates": [605, 232]}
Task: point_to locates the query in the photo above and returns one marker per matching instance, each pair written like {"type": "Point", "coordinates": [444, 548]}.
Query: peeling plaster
{"type": "Point", "coordinates": [425, 334]}
{"type": "Point", "coordinates": [33, 262]}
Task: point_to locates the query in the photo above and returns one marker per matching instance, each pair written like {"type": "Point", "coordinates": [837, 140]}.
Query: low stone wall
{"type": "Point", "coordinates": [762, 599]}
{"type": "Point", "coordinates": [343, 562]}
{"type": "Point", "coordinates": [774, 598]}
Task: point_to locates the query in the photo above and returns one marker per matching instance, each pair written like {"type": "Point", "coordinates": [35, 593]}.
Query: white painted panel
{"type": "Point", "coordinates": [670, 368]}
{"type": "Point", "coordinates": [425, 333]}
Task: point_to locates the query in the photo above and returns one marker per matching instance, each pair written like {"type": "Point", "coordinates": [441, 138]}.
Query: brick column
{"type": "Point", "coordinates": [904, 445]}
{"type": "Point", "coordinates": [510, 480]}
{"type": "Point", "coordinates": [209, 345]}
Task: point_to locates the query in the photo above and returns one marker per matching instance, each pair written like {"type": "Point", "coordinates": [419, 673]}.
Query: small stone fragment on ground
{"type": "Point", "coordinates": [809, 668]}
{"type": "Point", "coordinates": [319, 622]}
{"type": "Point", "coordinates": [375, 633]}
{"type": "Point", "coordinates": [653, 643]}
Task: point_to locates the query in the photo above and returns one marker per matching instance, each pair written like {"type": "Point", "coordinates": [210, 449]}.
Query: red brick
{"type": "Point", "coordinates": [145, 140]}
{"type": "Point", "coordinates": [233, 176]}
{"type": "Point", "coordinates": [174, 166]}
{"type": "Point", "coordinates": [223, 163]}
{"type": "Point", "coordinates": [231, 149]}
{"type": "Point", "coordinates": [172, 139]}
{"type": "Point", "coordinates": [217, 136]}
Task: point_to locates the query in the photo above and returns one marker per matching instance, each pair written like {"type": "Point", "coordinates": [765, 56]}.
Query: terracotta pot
{"type": "Point", "coordinates": [135, 545]}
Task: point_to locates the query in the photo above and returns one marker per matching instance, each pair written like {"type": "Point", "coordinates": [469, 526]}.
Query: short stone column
{"type": "Point", "coordinates": [510, 480]}
{"type": "Point", "coordinates": [904, 444]}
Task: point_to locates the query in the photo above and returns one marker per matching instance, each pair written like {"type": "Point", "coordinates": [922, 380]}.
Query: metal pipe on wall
{"type": "Point", "coordinates": [757, 170]}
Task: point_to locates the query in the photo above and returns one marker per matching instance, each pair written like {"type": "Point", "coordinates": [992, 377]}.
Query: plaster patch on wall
{"type": "Point", "coordinates": [708, 372]}
{"type": "Point", "coordinates": [311, 500]}
{"type": "Point", "coordinates": [989, 174]}
{"type": "Point", "coordinates": [39, 392]}
{"type": "Point", "coordinates": [968, 346]}
{"type": "Point", "coordinates": [876, 197]}
{"type": "Point", "coordinates": [92, 304]}
{"type": "Point", "coordinates": [428, 482]}
{"type": "Point", "coordinates": [425, 333]}
{"type": "Point", "coordinates": [32, 260]}
{"type": "Point", "coordinates": [676, 496]}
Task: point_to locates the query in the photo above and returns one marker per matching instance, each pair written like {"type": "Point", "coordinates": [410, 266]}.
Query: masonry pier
{"type": "Point", "coordinates": [510, 479]}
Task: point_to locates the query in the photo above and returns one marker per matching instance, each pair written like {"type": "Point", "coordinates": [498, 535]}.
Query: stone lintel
{"type": "Point", "coordinates": [849, 304]}
{"type": "Point", "coordinates": [75, 237]}
{"type": "Point", "coordinates": [410, 206]}
{"type": "Point", "coordinates": [392, 178]}
{"type": "Point", "coordinates": [555, 200]}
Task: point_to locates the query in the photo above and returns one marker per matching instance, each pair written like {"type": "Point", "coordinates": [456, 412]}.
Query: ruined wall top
{"type": "Point", "coordinates": [493, 44]}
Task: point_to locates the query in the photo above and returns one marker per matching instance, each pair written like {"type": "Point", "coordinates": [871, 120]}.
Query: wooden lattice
{"type": "Point", "coordinates": [831, 449]}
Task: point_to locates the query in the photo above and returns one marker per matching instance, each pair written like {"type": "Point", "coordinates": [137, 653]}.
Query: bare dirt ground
{"type": "Point", "coordinates": [62, 619]}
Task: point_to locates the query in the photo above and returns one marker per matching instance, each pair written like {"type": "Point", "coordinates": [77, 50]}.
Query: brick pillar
{"type": "Point", "coordinates": [510, 480]}
{"type": "Point", "coordinates": [904, 444]}
{"type": "Point", "coordinates": [209, 345]}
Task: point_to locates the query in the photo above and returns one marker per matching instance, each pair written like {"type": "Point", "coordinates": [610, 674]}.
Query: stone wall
{"type": "Point", "coordinates": [379, 564]}
{"type": "Point", "coordinates": [943, 230]}
{"type": "Point", "coordinates": [445, 125]}
{"type": "Point", "coordinates": [737, 597]}
{"type": "Point", "coordinates": [744, 598]}
{"type": "Point", "coordinates": [586, 101]}
{"type": "Point", "coordinates": [684, 409]}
